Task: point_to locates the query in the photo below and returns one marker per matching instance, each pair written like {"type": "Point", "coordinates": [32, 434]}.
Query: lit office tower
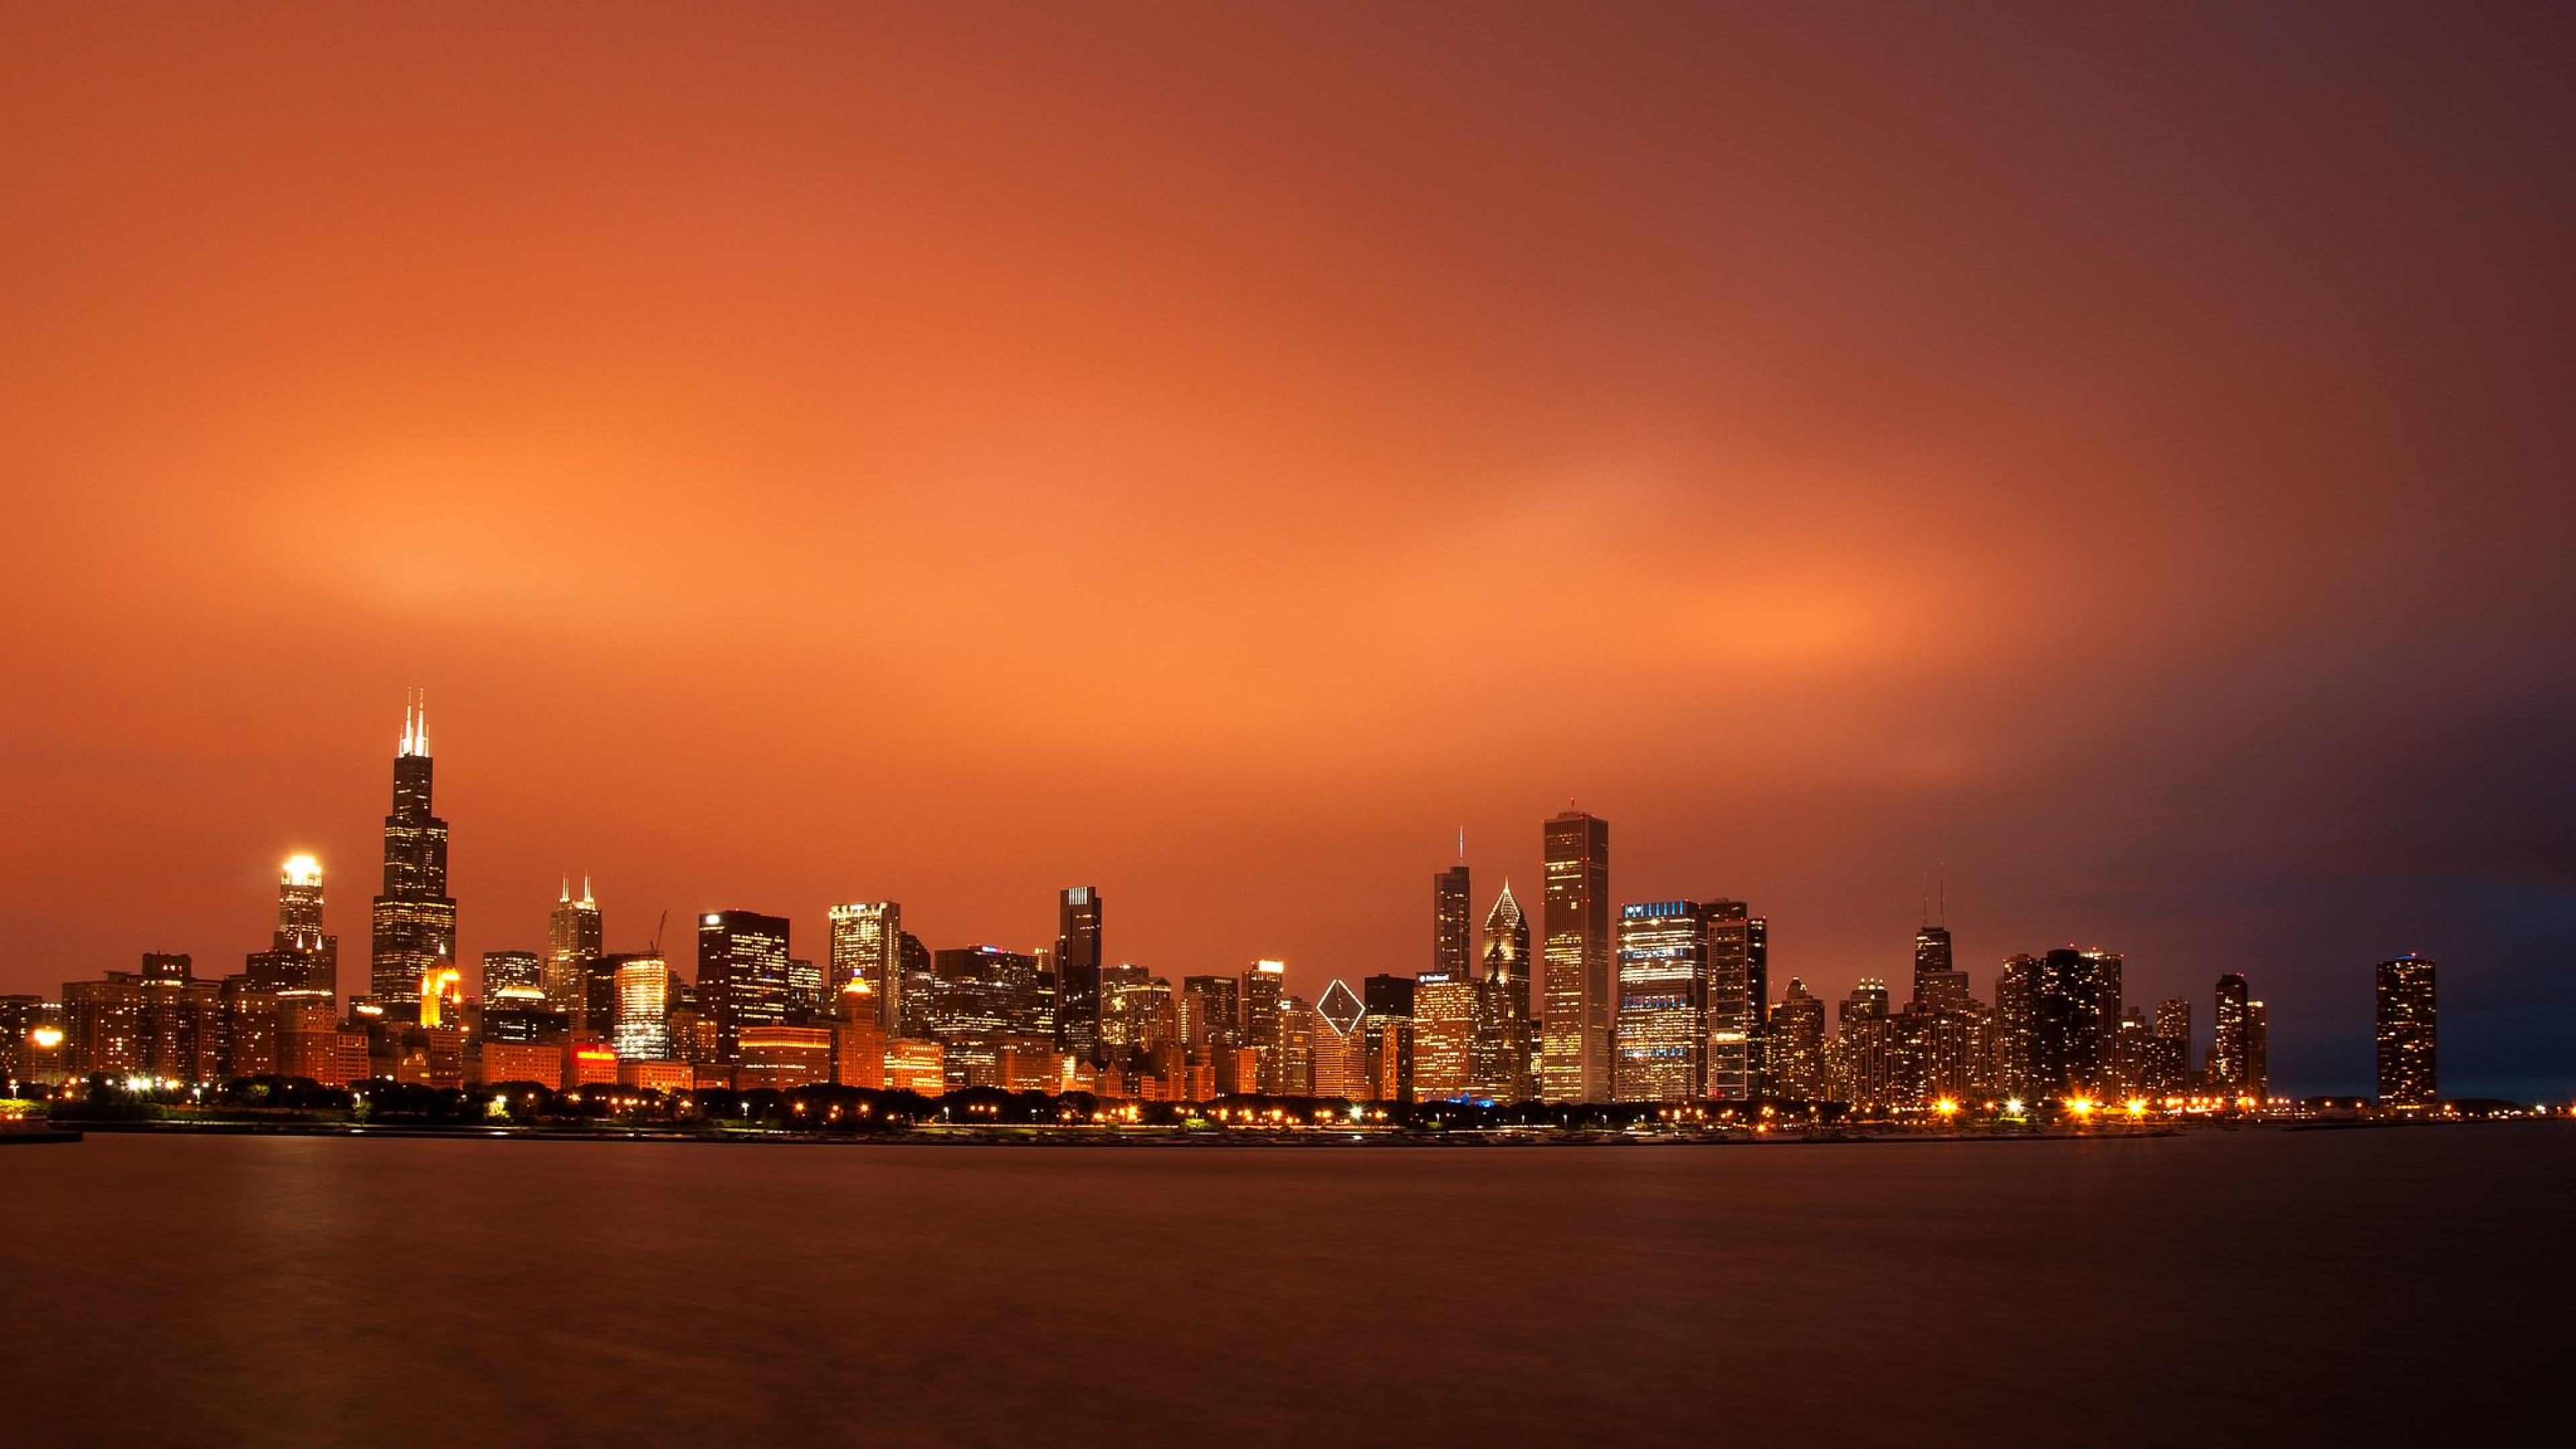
{"type": "Point", "coordinates": [1341, 1045]}
{"type": "Point", "coordinates": [1498, 1049]}
{"type": "Point", "coordinates": [1797, 1042]}
{"type": "Point", "coordinates": [299, 957]}
{"type": "Point", "coordinates": [1734, 1002]}
{"type": "Point", "coordinates": [1389, 1029]}
{"type": "Point", "coordinates": [1264, 987]}
{"type": "Point", "coordinates": [1861, 1061]}
{"type": "Point", "coordinates": [2230, 1044]}
{"type": "Point", "coordinates": [642, 1031]}
{"type": "Point", "coordinates": [991, 1009]}
{"type": "Point", "coordinates": [415, 918]}
{"type": "Point", "coordinates": [1575, 1053]}
{"type": "Point", "coordinates": [742, 975]}
{"type": "Point", "coordinates": [516, 972]}
{"type": "Point", "coordinates": [1444, 1030]}
{"type": "Point", "coordinates": [2258, 1051]}
{"type": "Point", "coordinates": [1661, 1035]}
{"type": "Point", "coordinates": [572, 937]}
{"type": "Point", "coordinates": [2074, 1014]}
{"type": "Point", "coordinates": [1757, 980]}
{"type": "Point", "coordinates": [2016, 987]}
{"type": "Point", "coordinates": [2409, 1075]}
{"type": "Point", "coordinates": [920, 980]}
{"type": "Point", "coordinates": [1450, 904]}
{"type": "Point", "coordinates": [1077, 972]}
{"type": "Point", "coordinates": [867, 945]}
{"type": "Point", "coordinates": [1212, 1011]}
{"type": "Point", "coordinates": [2169, 1054]}
{"type": "Point", "coordinates": [1937, 982]}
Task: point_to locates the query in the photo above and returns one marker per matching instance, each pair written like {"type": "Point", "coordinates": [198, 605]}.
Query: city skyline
{"type": "Point", "coordinates": [1700, 1035]}
{"type": "Point", "coordinates": [991, 459]}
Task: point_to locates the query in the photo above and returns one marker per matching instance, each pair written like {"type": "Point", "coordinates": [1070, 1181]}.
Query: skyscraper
{"type": "Point", "coordinates": [1498, 1046]}
{"type": "Point", "coordinates": [1077, 972]}
{"type": "Point", "coordinates": [2169, 1055]}
{"type": "Point", "coordinates": [1937, 981]}
{"type": "Point", "coordinates": [1444, 1031]}
{"type": "Point", "coordinates": [1797, 1041]}
{"type": "Point", "coordinates": [573, 936]}
{"type": "Point", "coordinates": [642, 1029]}
{"type": "Point", "coordinates": [989, 1004]}
{"type": "Point", "coordinates": [1575, 1050]}
{"type": "Point", "coordinates": [1661, 1040]}
{"type": "Point", "coordinates": [742, 974]}
{"type": "Point", "coordinates": [300, 957]}
{"type": "Point", "coordinates": [512, 971]}
{"type": "Point", "coordinates": [1734, 1001]}
{"type": "Point", "coordinates": [1388, 1027]}
{"type": "Point", "coordinates": [2409, 1068]}
{"type": "Point", "coordinates": [1341, 1045]}
{"type": "Point", "coordinates": [2074, 1015]}
{"type": "Point", "coordinates": [415, 919]}
{"type": "Point", "coordinates": [1265, 986]}
{"type": "Point", "coordinates": [2231, 1045]}
{"type": "Point", "coordinates": [867, 945]}
{"type": "Point", "coordinates": [1450, 904]}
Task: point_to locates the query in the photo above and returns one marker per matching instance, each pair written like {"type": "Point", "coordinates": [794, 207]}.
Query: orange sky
{"type": "Point", "coordinates": [1215, 452]}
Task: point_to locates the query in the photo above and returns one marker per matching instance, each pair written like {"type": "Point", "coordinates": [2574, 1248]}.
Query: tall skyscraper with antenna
{"type": "Point", "coordinates": [573, 938]}
{"type": "Point", "coordinates": [1451, 923]}
{"type": "Point", "coordinates": [415, 918]}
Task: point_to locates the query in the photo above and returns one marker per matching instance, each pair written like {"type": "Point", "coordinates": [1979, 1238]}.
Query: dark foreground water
{"type": "Point", "coordinates": [2256, 1287]}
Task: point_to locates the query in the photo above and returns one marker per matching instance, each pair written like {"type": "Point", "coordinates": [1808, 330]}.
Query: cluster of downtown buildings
{"type": "Point", "coordinates": [1650, 1002]}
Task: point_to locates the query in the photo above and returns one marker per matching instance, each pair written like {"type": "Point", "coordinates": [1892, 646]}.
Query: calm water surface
{"type": "Point", "coordinates": [2290, 1288]}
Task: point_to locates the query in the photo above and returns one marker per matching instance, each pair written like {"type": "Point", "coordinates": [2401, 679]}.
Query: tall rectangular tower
{"type": "Point", "coordinates": [1734, 1002]}
{"type": "Point", "coordinates": [414, 919]}
{"type": "Point", "coordinates": [2409, 1070]}
{"type": "Point", "coordinates": [867, 945]}
{"type": "Point", "coordinates": [1450, 923]}
{"type": "Point", "coordinates": [1662, 1036]}
{"type": "Point", "coordinates": [1077, 972]}
{"type": "Point", "coordinates": [573, 937]}
{"type": "Point", "coordinates": [1574, 1052]}
{"type": "Point", "coordinates": [742, 974]}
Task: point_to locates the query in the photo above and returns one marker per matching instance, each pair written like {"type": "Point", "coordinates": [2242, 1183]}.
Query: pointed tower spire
{"type": "Point", "coordinates": [586, 898]}
{"type": "Point", "coordinates": [565, 899]}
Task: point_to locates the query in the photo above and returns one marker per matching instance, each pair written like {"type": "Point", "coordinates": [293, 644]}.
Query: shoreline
{"type": "Point", "coordinates": [1066, 1138]}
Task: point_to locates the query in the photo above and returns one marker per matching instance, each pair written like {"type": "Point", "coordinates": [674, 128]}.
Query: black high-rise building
{"type": "Point", "coordinates": [2231, 1044]}
{"type": "Point", "coordinates": [2410, 1077]}
{"type": "Point", "coordinates": [2074, 1014]}
{"type": "Point", "coordinates": [1077, 972]}
{"type": "Point", "coordinates": [1450, 923]}
{"type": "Point", "coordinates": [1937, 981]}
{"type": "Point", "coordinates": [743, 975]}
{"type": "Point", "coordinates": [415, 919]}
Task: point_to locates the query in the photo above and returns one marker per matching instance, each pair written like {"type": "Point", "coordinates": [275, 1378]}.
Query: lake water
{"type": "Point", "coordinates": [2219, 1288]}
